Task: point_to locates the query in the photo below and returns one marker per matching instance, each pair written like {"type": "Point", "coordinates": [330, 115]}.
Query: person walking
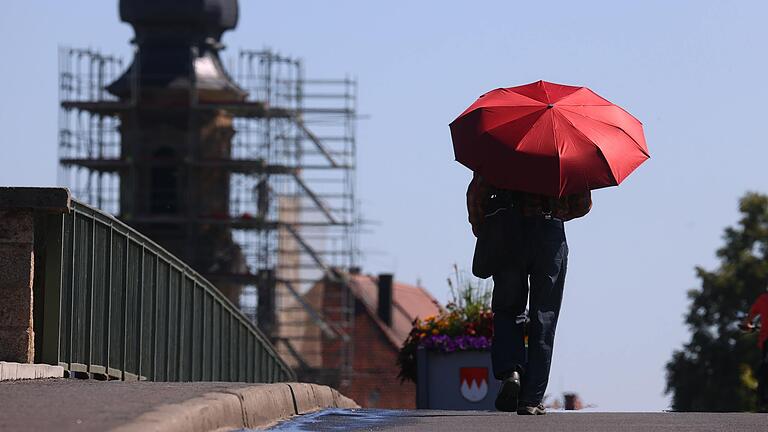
{"type": "Point", "coordinates": [522, 245]}
{"type": "Point", "coordinates": [760, 307]}
{"type": "Point", "coordinates": [535, 151]}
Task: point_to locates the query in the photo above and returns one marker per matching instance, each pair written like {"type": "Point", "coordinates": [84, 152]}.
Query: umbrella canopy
{"type": "Point", "coordinates": [549, 139]}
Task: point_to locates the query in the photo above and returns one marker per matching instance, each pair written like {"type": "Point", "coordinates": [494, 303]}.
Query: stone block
{"type": "Point", "coordinates": [16, 269]}
{"type": "Point", "coordinates": [25, 371]}
{"type": "Point", "coordinates": [323, 396]}
{"type": "Point", "coordinates": [15, 312]}
{"type": "Point", "coordinates": [304, 395]}
{"type": "Point", "coordinates": [16, 273]}
{"type": "Point", "coordinates": [16, 226]}
{"type": "Point", "coordinates": [17, 344]}
{"type": "Point", "coordinates": [265, 404]}
{"type": "Point", "coordinates": [341, 401]}
{"type": "Point", "coordinates": [8, 370]}
{"type": "Point", "coordinates": [54, 371]}
{"type": "Point", "coordinates": [16, 371]}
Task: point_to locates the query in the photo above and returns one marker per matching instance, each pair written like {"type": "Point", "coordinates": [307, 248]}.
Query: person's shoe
{"type": "Point", "coordinates": [506, 400]}
{"type": "Point", "coordinates": [526, 409]}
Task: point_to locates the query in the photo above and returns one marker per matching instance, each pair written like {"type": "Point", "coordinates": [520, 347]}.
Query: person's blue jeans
{"type": "Point", "coordinates": [762, 376]}
{"type": "Point", "coordinates": [533, 271]}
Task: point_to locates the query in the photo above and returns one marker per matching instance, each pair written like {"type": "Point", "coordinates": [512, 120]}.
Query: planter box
{"type": "Point", "coordinates": [461, 380]}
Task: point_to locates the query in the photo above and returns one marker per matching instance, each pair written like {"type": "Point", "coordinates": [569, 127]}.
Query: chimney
{"type": "Point", "coordinates": [385, 298]}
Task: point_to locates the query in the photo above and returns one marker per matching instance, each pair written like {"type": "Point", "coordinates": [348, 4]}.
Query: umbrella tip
{"type": "Point", "coordinates": [550, 106]}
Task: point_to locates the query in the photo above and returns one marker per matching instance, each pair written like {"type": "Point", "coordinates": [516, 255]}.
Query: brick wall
{"type": "Point", "coordinates": [375, 383]}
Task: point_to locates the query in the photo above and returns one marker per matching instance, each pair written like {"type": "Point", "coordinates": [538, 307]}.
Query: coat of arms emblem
{"type": "Point", "coordinates": [474, 383]}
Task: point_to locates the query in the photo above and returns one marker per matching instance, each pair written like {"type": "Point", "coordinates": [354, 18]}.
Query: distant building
{"type": "Point", "coordinates": [246, 172]}
{"type": "Point", "coordinates": [572, 401]}
{"type": "Point", "coordinates": [383, 315]}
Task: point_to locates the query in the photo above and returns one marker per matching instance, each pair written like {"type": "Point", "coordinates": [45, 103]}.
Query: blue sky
{"type": "Point", "coordinates": [692, 71]}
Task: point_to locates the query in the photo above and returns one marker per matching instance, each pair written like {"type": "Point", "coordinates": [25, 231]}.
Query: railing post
{"type": "Point", "coordinates": [124, 325]}
{"type": "Point", "coordinates": [108, 297]}
{"type": "Point", "coordinates": [71, 314]}
{"type": "Point", "coordinates": [54, 244]}
{"type": "Point", "coordinates": [140, 313]}
{"type": "Point", "coordinates": [155, 312]}
{"type": "Point", "coordinates": [168, 325]}
{"type": "Point", "coordinates": [180, 328]}
{"type": "Point", "coordinates": [89, 304]}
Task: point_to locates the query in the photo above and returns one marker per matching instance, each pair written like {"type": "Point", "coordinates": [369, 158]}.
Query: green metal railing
{"type": "Point", "coordinates": [118, 306]}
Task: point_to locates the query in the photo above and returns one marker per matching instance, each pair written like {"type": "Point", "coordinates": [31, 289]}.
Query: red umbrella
{"type": "Point", "coordinates": [549, 139]}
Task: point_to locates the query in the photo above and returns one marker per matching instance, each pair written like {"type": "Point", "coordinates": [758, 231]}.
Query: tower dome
{"type": "Point", "coordinates": [176, 38]}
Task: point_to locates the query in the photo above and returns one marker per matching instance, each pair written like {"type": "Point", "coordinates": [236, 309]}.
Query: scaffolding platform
{"type": "Point", "coordinates": [290, 168]}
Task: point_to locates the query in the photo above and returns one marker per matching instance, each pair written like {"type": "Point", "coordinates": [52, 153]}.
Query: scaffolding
{"type": "Point", "coordinates": [291, 198]}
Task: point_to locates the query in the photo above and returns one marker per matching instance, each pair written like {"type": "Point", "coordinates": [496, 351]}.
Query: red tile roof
{"type": "Point", "coordinates": [408, 303]}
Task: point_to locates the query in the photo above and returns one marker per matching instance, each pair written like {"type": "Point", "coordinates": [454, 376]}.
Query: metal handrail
{"type": "Point", "coordinates": [119, 306]}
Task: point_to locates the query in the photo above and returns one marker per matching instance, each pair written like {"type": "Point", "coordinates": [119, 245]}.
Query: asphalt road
{"type": "Point", "coordinates": [447, 421]}
{"type": "Point", "coordinates": [83, 405]}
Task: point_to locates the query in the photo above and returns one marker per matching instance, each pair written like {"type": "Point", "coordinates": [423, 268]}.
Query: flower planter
{"type": "Point", "coordinates": [459, 380]}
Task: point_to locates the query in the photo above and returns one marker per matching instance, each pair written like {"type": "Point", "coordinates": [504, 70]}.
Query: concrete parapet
{"type": "Point", "coordinates": [55, 200]}
{"type": "Point", "coordinates": [209, 412]}
{"type": "Point", "coordinates": [313, 397]}
{"type": "Point", "coordinates": [305, 398]}
{"type": "Point", "coordinates": [341, 401]}
{"type": "Point", "coordinates": [255, 406]}
{"type": "Point", "coordinates": [263, 404]}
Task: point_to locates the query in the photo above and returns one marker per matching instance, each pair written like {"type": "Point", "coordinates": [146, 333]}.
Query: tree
{"type": "Point", "coordinates": [716, 369]}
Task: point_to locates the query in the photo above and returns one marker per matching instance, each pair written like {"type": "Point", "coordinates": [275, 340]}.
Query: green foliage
{"type": "Point", "coordinates": [470, 297]}
{"type": "Point", "coordinates": [714, 371]}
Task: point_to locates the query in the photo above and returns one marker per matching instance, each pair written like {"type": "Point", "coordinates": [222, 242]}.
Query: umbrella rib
{"type": "Point", "coordinates": [564, 100]}
{"type": "Point", "coordinates": [546, 93]}
{"type": "Point", "coordinates": [599, 150]}
{"type": "Point", "coordinates": [488, 132]}
{"type": "Point", "coordinates": [608, 124]}
{"type": "Point", "coordinates": [537, 102]}
{"type": "Point", "coordinates": [559, 159]}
